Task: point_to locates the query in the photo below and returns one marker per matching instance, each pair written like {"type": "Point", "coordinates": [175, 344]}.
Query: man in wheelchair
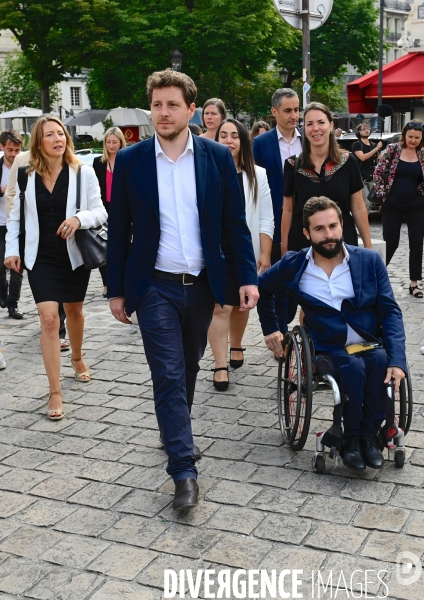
{"type": "Point", "coordinates": [353, 319]}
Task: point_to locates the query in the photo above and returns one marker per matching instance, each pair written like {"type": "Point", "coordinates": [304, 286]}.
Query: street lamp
{"type": "Point", "coordinates": [176, 60]}
{"type": "Point", "coordinates": [284, 75]}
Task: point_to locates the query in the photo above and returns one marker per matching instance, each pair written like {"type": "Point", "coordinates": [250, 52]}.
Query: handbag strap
{"type": "Point", "coordinates": [296, 169]}
{"type": "Point", "coordinates": [22, 182]}
{"type": "Point", "coordinates": [79, 189]}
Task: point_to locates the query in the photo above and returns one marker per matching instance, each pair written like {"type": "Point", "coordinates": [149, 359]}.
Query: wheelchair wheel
{"type": "Point", "coordinates": [296, 389]}
{"type": "Point", "coordinates": [404, 403]}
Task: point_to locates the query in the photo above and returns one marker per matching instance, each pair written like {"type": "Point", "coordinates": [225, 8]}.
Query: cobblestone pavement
{"type": "Point", "coordinates": [85, 503]}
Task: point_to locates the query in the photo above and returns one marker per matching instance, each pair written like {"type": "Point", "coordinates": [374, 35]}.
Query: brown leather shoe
{"type": "Point", "coordinates": [186, 494]}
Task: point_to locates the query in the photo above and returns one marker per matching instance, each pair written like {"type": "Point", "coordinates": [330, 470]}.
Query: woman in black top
{"type": "Point", "coordinates": [323, 170]}
{"type": "Point", "coordinates": [103, 166]}
{"type": "Point", "coordinates": [398, 180]}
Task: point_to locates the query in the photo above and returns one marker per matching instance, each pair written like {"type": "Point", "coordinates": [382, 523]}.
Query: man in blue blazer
{"type": "Point", "coordinates": [270, 151]}
{"type": "Point", "coordinates": [180, 192]}
{"type": "Point", "coordinates": [348, 301]}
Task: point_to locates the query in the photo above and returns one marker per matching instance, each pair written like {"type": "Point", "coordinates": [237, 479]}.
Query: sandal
{"type": "Point", "coordinates": [419, 293]}
{"type": "Point", "coordinates": [55, 414]}
{"type": "Point", "coordinates": [83, 376]}
{"type": "Point", "coordinates": [236, 363]}
{"type": "Point", "coordinates": [221, 386]}
{"type": "Point", "coordinates": [64, 345]}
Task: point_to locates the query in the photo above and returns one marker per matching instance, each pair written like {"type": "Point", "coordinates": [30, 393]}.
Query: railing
{"type": "Point", "coordinates": [395, 5]}
{"type": "Point", "coordinates": [391, 36]}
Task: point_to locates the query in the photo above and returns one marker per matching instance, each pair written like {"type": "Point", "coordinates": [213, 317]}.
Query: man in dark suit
{"type": "Point", "coordinates": [180, 192]}
{"type": "Point", "coordinates": [349, 306]}
{"type": "Point", "coordinates": [270, 150]}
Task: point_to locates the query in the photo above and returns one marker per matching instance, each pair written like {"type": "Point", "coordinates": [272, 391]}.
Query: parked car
{"type": "Point", "coordinates": [87, 155]}
{"type": "Point", "coordinates": [347, 139]}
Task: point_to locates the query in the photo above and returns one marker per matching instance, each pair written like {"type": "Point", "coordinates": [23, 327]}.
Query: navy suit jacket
{"type": "Point", "coordinates": [266, 151]}
{"type": "Point", "coordinates": [373, 312]}
{"type": "Point", "coordinates": [135, 200]}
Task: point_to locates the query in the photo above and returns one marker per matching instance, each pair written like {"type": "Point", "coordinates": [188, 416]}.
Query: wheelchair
{"type": "Point", "coordinates": [297, 378]}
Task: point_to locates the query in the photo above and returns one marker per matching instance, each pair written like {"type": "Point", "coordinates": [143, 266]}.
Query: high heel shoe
{"type": "Point", "coordinates": [221, 386]}
{"type": "Point", "coordinates": [419, 294]}
{"type": "Point", "coordinates": [83, 376]}
{"type": "Point", "coordinates": [236, 363]}
{"type": "Point", "coordinates": [55, 414]}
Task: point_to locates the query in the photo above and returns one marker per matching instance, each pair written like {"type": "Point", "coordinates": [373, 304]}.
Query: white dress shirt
{"type": "Point", "coordinates": [180, 245]}
{"type": "Point", "coordinates": [289, 147]}
{"type": "Point", "coordinates": [330, 290]}
{"type": "Point", "coordinates": [4, 180]}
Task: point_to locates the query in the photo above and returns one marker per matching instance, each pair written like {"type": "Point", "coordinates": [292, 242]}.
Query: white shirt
{"type": "Point", "coordinates": [330, 290]}
{"type": "Point", "coordinates": [289, 147]}
{"type": "Point", "coordinates": [180, 245]}
{"type": "Point", "coordinates": [4, 180]}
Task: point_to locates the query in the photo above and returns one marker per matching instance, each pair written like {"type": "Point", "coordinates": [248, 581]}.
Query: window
{"type": "Point", "coordinates": [75, 96]}
{"type": "Point", "coordinates": [398, 28]}
{"type": "Point", "coordinates": [396, 53]}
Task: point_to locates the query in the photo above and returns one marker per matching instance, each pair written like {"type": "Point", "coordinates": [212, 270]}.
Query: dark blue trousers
{"type": "Point", "coordinates": [361, 378]}
{"type": "Point", "coordinates": [174, 320]}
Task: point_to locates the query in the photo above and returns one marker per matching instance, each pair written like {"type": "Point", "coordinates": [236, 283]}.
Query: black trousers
{"type": "Point", "coordinates": [15, 282]}
{"type": "Point", "coordinates": [392, 217]}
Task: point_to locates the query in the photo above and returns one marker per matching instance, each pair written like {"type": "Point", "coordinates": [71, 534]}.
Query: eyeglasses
{"type": "Point", "coordinates": [413, 125]}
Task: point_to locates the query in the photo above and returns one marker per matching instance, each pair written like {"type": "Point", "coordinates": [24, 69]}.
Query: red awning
{"type": "Point", "coordinates": [402, 78]}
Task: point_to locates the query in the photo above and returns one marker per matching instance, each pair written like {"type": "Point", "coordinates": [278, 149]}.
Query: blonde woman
{"type": "Point", "coordinates": [103, 166]}
{"type": "Point", "coordinates": [55, 267]}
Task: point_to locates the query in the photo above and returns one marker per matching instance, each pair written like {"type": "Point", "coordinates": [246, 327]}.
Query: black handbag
{"type": "Point", "coordinates": [92, 243]}
{"type": "Point", "coordinates": [22, 181]}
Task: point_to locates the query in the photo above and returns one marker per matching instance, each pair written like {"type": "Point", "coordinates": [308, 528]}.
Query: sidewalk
{"type": "Point", "coordinates": [85, 503]}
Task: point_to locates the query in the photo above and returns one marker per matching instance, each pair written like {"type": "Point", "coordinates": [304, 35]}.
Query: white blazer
{"type": "Point", "coordinates": [92, 214]}
{"type": "Point", "coordinates": [259, 218]}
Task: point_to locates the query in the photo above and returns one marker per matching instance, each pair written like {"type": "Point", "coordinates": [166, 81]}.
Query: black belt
{"type": "Point", "coordinates": [184, 278]}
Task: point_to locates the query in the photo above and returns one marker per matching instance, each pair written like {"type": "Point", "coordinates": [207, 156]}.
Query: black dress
{"type": "Point", "coordinates": [337, 182]}
{"type": "Point", "coordinates": [52, 277]}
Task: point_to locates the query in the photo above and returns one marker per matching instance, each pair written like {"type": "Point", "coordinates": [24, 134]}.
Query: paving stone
{"type": "Point", "coordinates": [153, 574]}
{"type": "Point", "coordinates": [227, 432]}
{"type": "Point", "coordinates": [143, 503]}
{"type": "Point", "coordinates": [277, 500]}
{"type": "Point", "coordinates": [337, 538]}
{"type": "Point", "coordinates": [185, 541]}
{"type": "Point", "coordinates": [17, 576]}
{"type": "Point", "coordinates": [236, 520]}
{"type": "Point", "coordinates": [294, 558]}
{"type": "Point", "coordinates": [143, 477]}
{"type": "Point", "coordinates": [400, 591]}
{"type": "Point", "coordinates": [6, 451]}
{"type": "Point", "coordinates": [407, 497]}
{"type": "Point", "coordinates": [277, 457]}
{"type": "Point", "coordinates": [197, 517]}
{"type": "Point", "coordinates": [368, 491]}
{"type": "Point", "coordinates": [229, 450]}
{"type": "Point", "coordinates": [87, 521]}
{"type": "Point", "coordinates": [282, 528]}
{"type": "Point", "coordinates": [28, 457]}
{"type": "Point", "coordinates": [65, 465]}
{"type": "Point", "coordinates": [18, 480]}
{"type": "Point", "coordinates": [354, 569]}
{"type": "Point", "coordinates": [123, 562]}
{"type": "Point", "coordinates": [226, 469]}
{"type": "Point", "coordinates": [45, 513]}
{"type": "Point", "coordinates": [75, 552]}
{"type": "Point", "coordinates": [6, 528]}
{"type": "Point", "coordinates": [388, 546]}
{"type": "Point", "coordinates": [331, 508]}
{"type": "Point", "coordinates": [58, 488]}
{"type": "Point", "coordinates": [403, 476]}
{"type": "Point", "coordinates": [135, 530]}
{"type": "Point", "coordinates": [147, 457]}
{"type": "Point", "coordinates": [11, 503]}
{"type": "Point", "coordinates": [110, 450]}
{"type": "Point", "coordinates": [73, 445]}
{"type": "Point", "coordinates": [275, 476]}
{"type": "Point", "coordinates": [241, 552]}
{"type": "Point", "coordinates": [117, 590]}
{"type": "Point", "coordinates": [19, 420]}
{"type": "Point", "coordinates": [100, 495]}
{"type": "Point", "coordinates": [29, 542]}
{"type": "Point", "coordinates": [35, 439]}
{"type": "Point", "coordinates": [65, 585]}
{"type": "Point", "coordinates": [320, 484]}
{"type": "Point", "coordinates": [382, 518]}
{"type": "Point", "coordinates": [92, 413]}
{"type": "Point", "coordinates": [266, 437]}
{"type": "Point", "coordinates": [229, 492]}
{"type": "Point", "coordinates": [104, 471]}
{"type": "Point", "coordinates": [259, 420]}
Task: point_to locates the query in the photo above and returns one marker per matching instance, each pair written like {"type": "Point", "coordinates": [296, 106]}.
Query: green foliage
{"type": "Point", "coordinates": [253, 97]}
{"type": "Point", "coordinates": [107, 124]}
{"type": "Point", "coordinates": [349, 36]}
{"type": "Point", "coordinates": [327, 92]}
{"type": "Point", "coordinates": [17, 86]}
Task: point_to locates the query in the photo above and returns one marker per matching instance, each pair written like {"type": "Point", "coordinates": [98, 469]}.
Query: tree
{"type": "Point", "coordinates": [17, 87]}
{"type": "Point", "coordinates": [349, 36]}
{"type": "Point", "coordinates": [59, 36]}
{"type": "Point", "coordinates": [222, 41]}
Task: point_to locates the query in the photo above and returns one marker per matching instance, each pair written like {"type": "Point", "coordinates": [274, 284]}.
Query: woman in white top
{"type": "Point", "coordinates": [56, 273]}
{"type": "Point", "coordinates": [213, 113]}
{"type": "Point", "coordinates": [228, 320]}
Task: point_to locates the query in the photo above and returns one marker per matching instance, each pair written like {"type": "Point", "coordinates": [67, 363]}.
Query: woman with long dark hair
{"type": "Point", "coordinates": [398, 180]}
{"type": "Point", "coordinates": [56, 272]}
{"type": "Point", "coordinates": [228, 320]}
{"type": "Point", "coordinates": [213, 113]}
{"type": "Point", "coordinates": [322, 169]}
